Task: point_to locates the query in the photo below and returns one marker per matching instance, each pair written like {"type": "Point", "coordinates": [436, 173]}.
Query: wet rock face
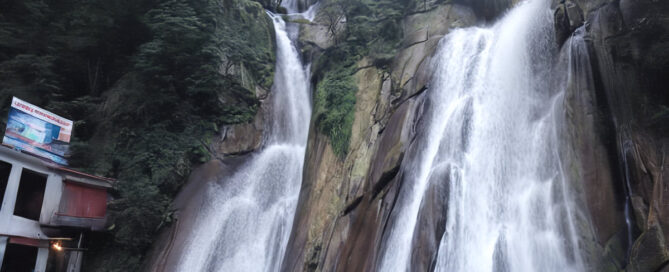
{"type": "Point", "coordinates": [345, 202]}
{"type": "Point", "coordinates": [567, 18]}
{"type": "Point", "coordinates": [649, 252]}
{"type": "Point", "coordinates": [240, 138]}
{"type": "Point", "coordinates": [366, 221]}
{"type": "Point", "coordinates": [411, 66]}
{"type": "Point", "coordinates": [431, 222]}
{"type": "Point", "coordinates": [590, 158]}
{"type": "Point", "coordinates": [489, 9]}
{"type": "Point", "coordinates": [627, 42]}
{"type": "Point", "coordinates": [170, 242]}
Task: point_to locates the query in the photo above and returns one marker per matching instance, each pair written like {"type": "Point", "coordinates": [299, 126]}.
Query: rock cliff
{"type": "Point", "coordinates": [617, 123]}
{"type": "Point", "coordinates": [627, 43]}
{"type": "Point", "coordinates": [367, 113]}
{"type": "Point", "coordinates": [346, 201]}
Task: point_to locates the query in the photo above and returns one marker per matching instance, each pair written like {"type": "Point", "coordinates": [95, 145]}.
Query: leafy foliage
{"type": "Point", "coordinates": [372, 27]}
{"type": "Point", "coordinates": [334, 107]}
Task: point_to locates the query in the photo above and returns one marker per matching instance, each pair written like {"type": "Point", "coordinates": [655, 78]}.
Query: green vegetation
{"type": "Point", "coordinates": [334, 107]}
{"type": "Point", "coordinates": [148, 83]}
{"type": "Point", "coordinates": [373, 29]}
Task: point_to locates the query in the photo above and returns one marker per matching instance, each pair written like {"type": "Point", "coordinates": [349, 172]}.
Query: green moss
{"type": "Point", "coordinates": [334, 107]}
{"type": "Point", "coordinates": [299, 21]}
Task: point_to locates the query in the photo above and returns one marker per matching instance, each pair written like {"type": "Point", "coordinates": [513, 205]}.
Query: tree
{"type": "Point", "coordinates": [335, 16]}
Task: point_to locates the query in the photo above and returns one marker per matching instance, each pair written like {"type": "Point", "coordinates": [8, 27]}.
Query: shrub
{"type": "Point", "coordinates": [334, 107]}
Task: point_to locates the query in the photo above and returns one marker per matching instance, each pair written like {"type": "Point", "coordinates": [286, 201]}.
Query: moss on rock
{"type": "Point", "coordinates": [334, 107]}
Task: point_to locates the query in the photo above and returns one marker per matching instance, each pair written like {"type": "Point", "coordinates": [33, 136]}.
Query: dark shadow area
{"type": "Point", "coordinates": [58, 260]}
{"type": "Point", "coordinates": [30, 195]}
{"type": "Point", "coordinates": [19, 258]}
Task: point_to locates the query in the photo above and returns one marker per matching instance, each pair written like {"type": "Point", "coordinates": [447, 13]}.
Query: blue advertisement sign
{"type": "Point", "coordinates": [37, 131]}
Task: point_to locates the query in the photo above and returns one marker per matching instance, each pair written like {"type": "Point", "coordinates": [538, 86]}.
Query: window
{"type": "Point", "coordinates": [31, 194]}
{"type": "Point", "coordinates": [81, 200]}
{"type": "Point", "coordinates": [5, 168]}
{"type": "Point", "coordinates": [19, 258]}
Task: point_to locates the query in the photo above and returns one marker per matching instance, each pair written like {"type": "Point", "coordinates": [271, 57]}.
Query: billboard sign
{"type": "Point", "coordinates": [37, 131]}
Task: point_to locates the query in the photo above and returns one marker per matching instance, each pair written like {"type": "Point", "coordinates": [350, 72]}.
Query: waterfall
{"type": "Point", "coordinates": [491, 131]}
{"type": "Point", "coordinates": [290, 5]}
{"type": "Point", "coordinates": [248, 216]}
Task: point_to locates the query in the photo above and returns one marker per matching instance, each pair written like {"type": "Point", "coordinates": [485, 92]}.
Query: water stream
{"type": "Point", "coordinates": [491, 132]}
{"type": "Point", "coordinates": [247, 220]}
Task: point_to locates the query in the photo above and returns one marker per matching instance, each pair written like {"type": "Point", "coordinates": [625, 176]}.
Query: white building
{"type": "Point", "coordinates": [46, 207]}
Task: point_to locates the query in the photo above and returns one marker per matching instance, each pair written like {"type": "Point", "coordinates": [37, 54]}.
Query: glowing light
{"type": "Point", "coordinates": [57, 246]}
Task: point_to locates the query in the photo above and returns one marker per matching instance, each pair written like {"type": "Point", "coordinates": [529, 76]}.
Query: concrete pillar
{"type": "Point", "coordinates": [53, 192]}
{"type": "Point", "coordinates": [42, 258]}
{"type": "Point", "coordinates": [74, 264]}
{"type": "Point", "coordinates": [3, 246]}
{"type": "Point", "coordinates": [9, 201]}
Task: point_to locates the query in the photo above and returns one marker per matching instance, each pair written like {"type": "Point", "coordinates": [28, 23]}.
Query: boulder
{"type": "Point", "coordinates": [567, 18]}
{"type": "Point", "coordinates": [649, 252]}
{"type": "Point", "coordinates": [239, 138]}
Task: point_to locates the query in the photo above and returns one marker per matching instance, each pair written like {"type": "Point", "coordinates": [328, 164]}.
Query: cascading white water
{"type": "Point", "coordinates": [247, 220]}
{"type": "Point", "coordinates": [290, 5]}
{"type": "Point", "coordinates": [491, 132]}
